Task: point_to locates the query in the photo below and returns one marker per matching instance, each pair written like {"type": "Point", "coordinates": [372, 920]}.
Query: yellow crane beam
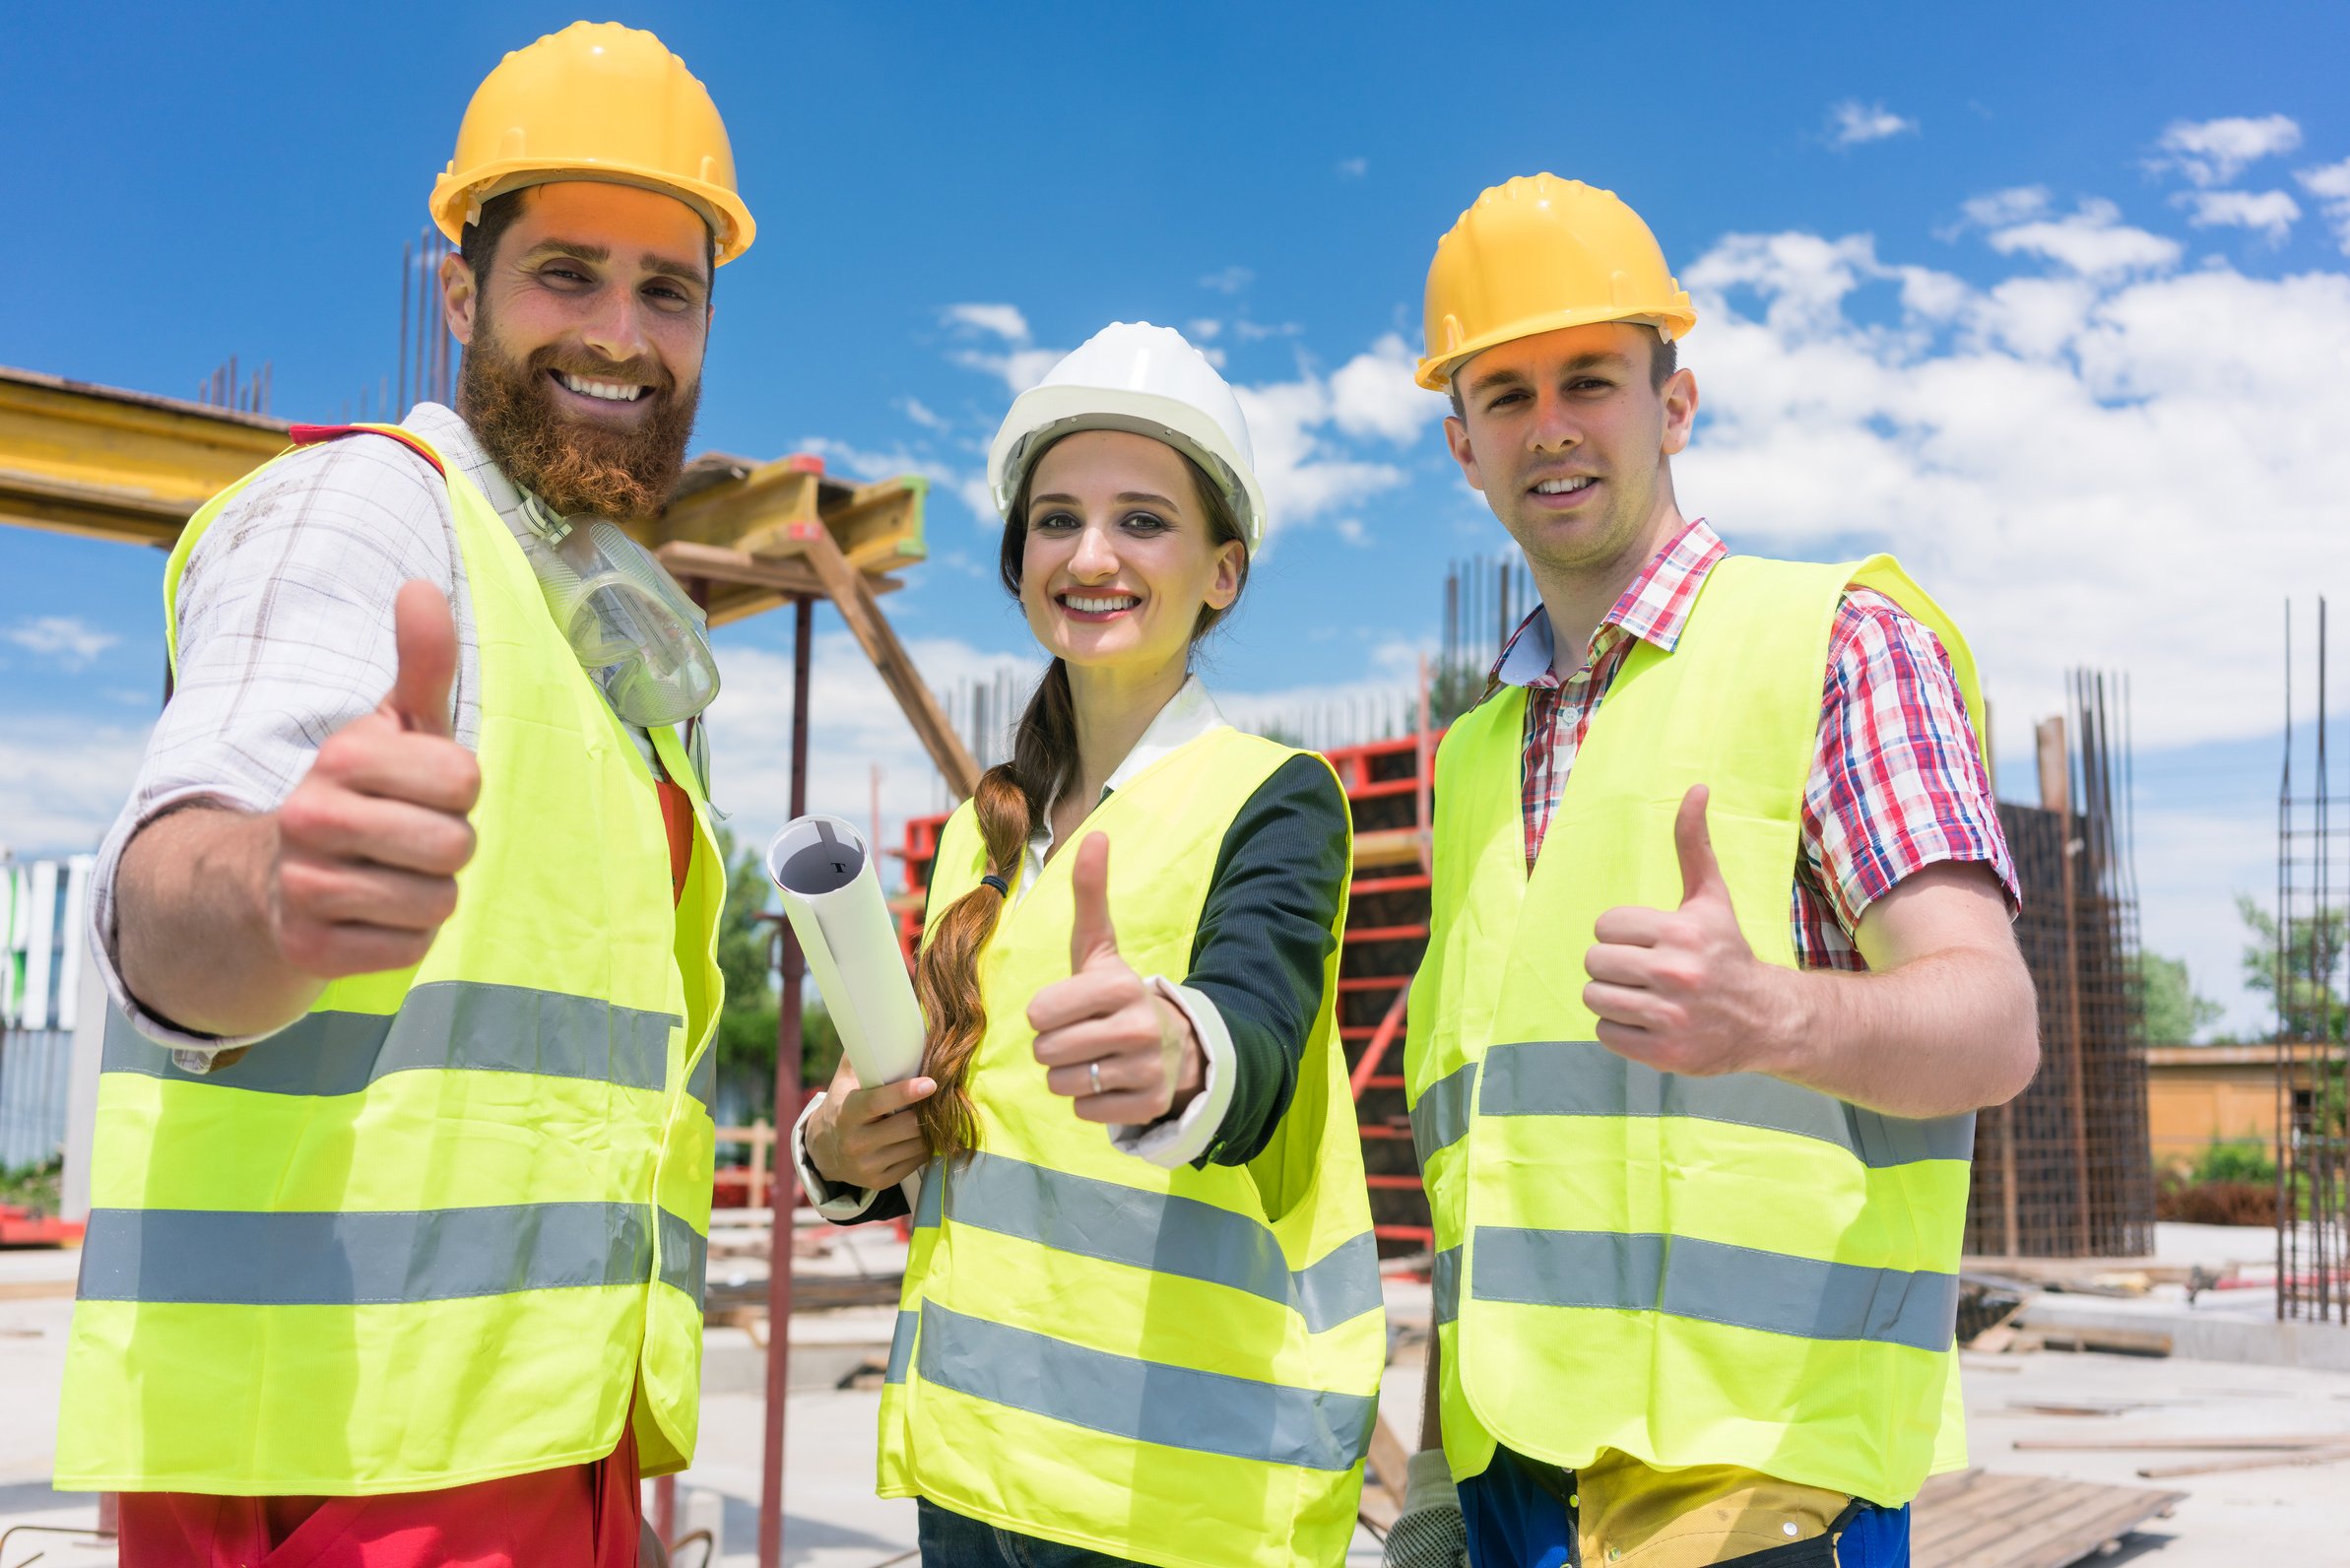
{"type": "Point", "coordinates": [107, 463]}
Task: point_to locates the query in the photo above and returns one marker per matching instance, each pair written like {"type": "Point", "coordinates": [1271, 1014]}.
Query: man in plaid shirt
{"type": "Point", "coordinates": [1909, 998]}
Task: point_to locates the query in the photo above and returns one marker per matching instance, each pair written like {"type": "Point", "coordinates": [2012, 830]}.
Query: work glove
{"type": "Point", "coordinates": [1429, 1533]}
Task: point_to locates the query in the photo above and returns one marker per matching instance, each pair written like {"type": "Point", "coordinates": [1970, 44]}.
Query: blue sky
{"type": "Point", "coordinates": [1984, 286]}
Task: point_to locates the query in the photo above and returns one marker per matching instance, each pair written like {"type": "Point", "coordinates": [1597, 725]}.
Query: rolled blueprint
{"type": "Point", "coordinates": [833, 900]}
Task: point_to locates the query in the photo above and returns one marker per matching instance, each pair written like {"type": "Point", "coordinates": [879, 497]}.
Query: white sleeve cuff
{"type": "Point", "coordinates": [1177, 1141]}
{"type": "Point", "coordinates": [190, 1051]}
{"type": "Point", "coordinates": [841, 1204]}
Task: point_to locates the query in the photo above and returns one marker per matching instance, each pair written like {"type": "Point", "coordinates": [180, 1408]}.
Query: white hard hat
{"type": "Point", "coordinates": [1134, 376]}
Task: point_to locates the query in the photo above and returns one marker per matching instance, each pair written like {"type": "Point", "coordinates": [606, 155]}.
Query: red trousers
{"type": "Point", "coordinates": [582, 1516]}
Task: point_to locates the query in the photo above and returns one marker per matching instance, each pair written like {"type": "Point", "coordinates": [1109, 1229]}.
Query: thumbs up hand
{"type": "Point", "coordinates": [370, 841]}
{"type": "Point", "coordinates": [1680, 990]}
{"type": "Point", "coordinates": [1106, 1040]}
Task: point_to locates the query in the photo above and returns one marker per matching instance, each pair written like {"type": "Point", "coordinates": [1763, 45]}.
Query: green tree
{"type": "Point", "coordinates": [2312, 1005]}
{"type": "Point", "coordinates": [2174, 1013]}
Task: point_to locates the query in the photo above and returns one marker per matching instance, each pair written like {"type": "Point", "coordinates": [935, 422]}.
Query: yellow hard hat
{"type": "Point", "coordinates": [597, 100]}
{"type": "Point", "coordinates": [1537, 254]}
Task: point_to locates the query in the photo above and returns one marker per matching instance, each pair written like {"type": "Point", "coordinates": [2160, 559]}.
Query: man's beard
{"type": "Point", "coordinates": [571, 464]}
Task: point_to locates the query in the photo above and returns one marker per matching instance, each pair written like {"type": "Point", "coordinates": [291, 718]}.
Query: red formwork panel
{"type": "Point", "coordinates": [1387, 932]}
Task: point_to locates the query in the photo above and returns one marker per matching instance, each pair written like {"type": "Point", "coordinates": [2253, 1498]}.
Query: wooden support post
{"type": "Point", "coordinates": [854, 599]}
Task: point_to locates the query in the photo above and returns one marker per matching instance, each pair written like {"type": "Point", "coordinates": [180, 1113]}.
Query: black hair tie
{"type": "Point", "coordinates": [998, 883]}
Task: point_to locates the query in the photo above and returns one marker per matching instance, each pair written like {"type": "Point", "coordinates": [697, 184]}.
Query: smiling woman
{"type": "Point", "coordinates": [1178, 1321]}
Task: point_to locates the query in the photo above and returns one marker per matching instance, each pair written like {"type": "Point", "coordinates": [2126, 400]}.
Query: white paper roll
{"type": "Point", "coordinates": [833, 900]}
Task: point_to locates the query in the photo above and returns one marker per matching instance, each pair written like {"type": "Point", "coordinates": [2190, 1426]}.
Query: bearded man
{"type": "Point", "coordinates": [401, 1182]}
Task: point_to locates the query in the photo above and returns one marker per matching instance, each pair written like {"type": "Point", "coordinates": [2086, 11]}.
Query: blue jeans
{"type": "Point", "coordinates": [1517, 1521]}
{"type": "Point", "coordinates": [949, 1540]}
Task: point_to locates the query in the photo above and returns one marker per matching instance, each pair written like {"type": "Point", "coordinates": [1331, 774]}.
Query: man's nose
{"type": "Point", "coordinates": [1555, 427]}
{"type": "Point", "coordinates": [614, 327]}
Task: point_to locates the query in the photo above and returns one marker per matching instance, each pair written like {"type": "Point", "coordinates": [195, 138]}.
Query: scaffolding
{"type": "Point", "coordinates": [2065, 1170]}
{"type": "Point", "coordinates": [2312, 1148]}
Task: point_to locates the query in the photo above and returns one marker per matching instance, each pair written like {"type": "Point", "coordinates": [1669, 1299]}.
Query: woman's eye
{"type": "Point", "coordinates": [1054, 521]}
{"type": "Point", "coordinates": [1146, 522]}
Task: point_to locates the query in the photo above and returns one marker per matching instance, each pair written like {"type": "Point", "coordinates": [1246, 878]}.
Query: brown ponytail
{"type": "Point", "coordinates": [1008, 801]}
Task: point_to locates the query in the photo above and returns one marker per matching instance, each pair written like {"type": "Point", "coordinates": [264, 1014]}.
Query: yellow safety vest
{"type": "Point", "coordinates": [439, 1229]}
{"type": "Point", "coordinates": [1690, 1271]}
{"type": "Point", "coordinates": [1175, 1367]}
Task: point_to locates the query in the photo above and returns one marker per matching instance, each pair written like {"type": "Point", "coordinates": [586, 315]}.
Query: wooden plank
{"type": "Point", "coordinates": [1988, 1520]}
{"type": "Point", "coordinates": [854, 601]}
{"type": "Point", "coordinates": [2211, 1443]}
{"type": "Point", "coordinates": [2321, 1456]}
{"type": "Point", "coordinates": [2006, 1512]}
{"type": "Point", "coordinates": [880, 529]}
{"type": "Point", "coordinates": [2101, 1522]}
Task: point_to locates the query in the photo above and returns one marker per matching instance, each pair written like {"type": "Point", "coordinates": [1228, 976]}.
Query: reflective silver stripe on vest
{"type": "Point", "coordinates": [901, 1348]}
{"type": "Point", "coordinates": [1582, 1077]}
{"type": "Point", "coordinates": [685, 1256]}
{"type": "Point", "coordinates": [1742, 1287]}
{"type": "Point", "coordinates": [930, 1195]}
{"type": "Point", "coordinates": [1444, 1283]}
{"type": "Point", "coordinates": [1163, 1233]}
{"type": "Point", "coordinates": [455, 1024]}
{"type": "Point", "coordinates": [702, 1084]}
{"type": "Point", "coordinates": [1440, 1116]}
{"type": "Point", "coordinates": [1208, 1412]}
{"type": "Point", "coordinates": [239, 1258]}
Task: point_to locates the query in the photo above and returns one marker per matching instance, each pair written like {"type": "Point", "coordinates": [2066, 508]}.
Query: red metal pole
{"type": "Point", "coordinates": [786, 1192]}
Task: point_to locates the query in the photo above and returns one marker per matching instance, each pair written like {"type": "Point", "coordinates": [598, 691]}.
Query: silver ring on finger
{"type": "Point", "coordinates": [1093, 1075]}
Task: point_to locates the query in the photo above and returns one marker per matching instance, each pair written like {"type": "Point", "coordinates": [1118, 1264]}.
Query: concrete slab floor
{"type": "Point", "coordinates": [2285, 1516]}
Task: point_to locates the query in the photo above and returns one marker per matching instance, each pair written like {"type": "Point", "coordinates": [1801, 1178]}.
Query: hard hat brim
{"type": "Point", "coordinates": [1436, 374]}
{"type": "Point", "coordinates": [732, 227]}
{"type": "Point", "coordinates": [1043, 414]}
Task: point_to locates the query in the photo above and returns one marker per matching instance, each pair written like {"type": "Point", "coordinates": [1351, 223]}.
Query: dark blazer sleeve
{"type": "Point", "coordinates": [1264, 937]}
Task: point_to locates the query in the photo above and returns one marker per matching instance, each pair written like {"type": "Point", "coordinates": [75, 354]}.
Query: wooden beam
{"type": "Point", "coordinates": [854, 599]}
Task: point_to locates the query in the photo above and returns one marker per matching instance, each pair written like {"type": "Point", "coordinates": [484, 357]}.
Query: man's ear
{"type": "Point", "coordinates": [1456, 439]}
{"type": "Point", "coordinates": [1680, 410]}
{"type": "Point", "coordinates": [457, 286]}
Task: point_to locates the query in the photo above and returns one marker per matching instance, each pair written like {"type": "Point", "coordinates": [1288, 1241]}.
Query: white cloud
{"type": "Point", "coordinates": [62, 779]}
{"type": "Point", "coordinates": [1230, 281]}
{"type": "Point", "coordinates": [1202, 329]}
{"type": "Point", "coordinates": [64, 639]}
{"type": "Point", "coordinates": [2103, 467]}
{"type": "Point", "coordinates": [913, 408]}
{"type": "Point", "coordinates": [1304, 474]}
{"type": "Point", "coordinates": [1374, 394]}
{"type": "Point", "coordinates": [2212, 152]}
{"type": "Point", "coordinates": [1853, 122]}
{"type": "Point", "coordinates": [1354, 168]}
{"type": "Point", "coordinates": [2270, 213]}
{"type": "Point", "coordinates": [2003, 207]}
{"type": "Point", "coordinates": [2331, 184]}
{"type": "Point", "coordinates": [1003, 321]}
{"type": "Point", "coordinates": [2092, 241]}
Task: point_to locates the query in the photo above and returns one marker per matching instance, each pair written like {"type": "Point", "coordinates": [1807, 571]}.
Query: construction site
{"type": "Point", "coordinates": [2136, 1391]}
{"type": "Point", "coordinates": [2153, 1304]}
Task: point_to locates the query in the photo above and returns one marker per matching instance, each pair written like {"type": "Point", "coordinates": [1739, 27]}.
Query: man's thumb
{"type": "Point", "coordinates": [1701, 874]}
{"type": "Point", "coordinates": [425, 634]}
{"type": "Point", "coordinates": [1090, 935]}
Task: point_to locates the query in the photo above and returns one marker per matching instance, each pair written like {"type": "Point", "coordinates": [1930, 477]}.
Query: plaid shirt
{"type": "Point", "coordinates": [1896, 782]}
